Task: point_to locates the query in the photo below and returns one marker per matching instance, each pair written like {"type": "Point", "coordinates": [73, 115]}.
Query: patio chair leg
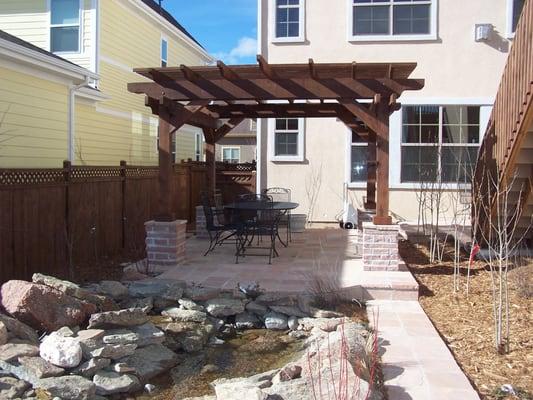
{"type": "Point", "coordinates": [213, 241]}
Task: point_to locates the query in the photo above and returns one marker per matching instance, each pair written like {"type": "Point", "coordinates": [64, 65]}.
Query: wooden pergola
{"type": "Point", "coordinates": [217, 98]}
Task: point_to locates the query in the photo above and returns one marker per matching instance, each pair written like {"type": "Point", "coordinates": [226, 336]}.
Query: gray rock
{"type": "Point", "coordinates": [113, 289]}
{"type": "Point", "coordinates": [89, 340]}
{"type": "Point", "coordinates": [123, 368]}
{"type": "Point", "coordinates": [289, 310]}
{"type": "Point", "coordinates": [297, 389]}
{"type": "Point", "coordinates": [276, 299]}
{"type": "Point", "coordinates": [190, 305]}
{"type": "Point", "coordinates": [156, 288]}
{"type": "Point", "coordinates": [238, 389]}
{"type": "Point", "coordinates": [114, 351]}
{"type": "Point", "coordinates": [148, 334]}
{"type": "Point", "coordinates": [69, 387]}
{"type": "Point", "coordinates": [318, 313]}
{"type": "Point", "coordinates": [181, 315]}
{"type": "Point", "coordinates": [127, 317]}
{"type": "Point", "coordinates": [299, 335]}
{"type": "Point", "coordinates": [89, 368]}
{"type": "Point", "coordinates": [221, 307]}
{"type": "Point", "coordinates": [66, 331]}
{"type": "Point", "coordinates": [149, 388]}
{"type": "Point", "coordinates": [324, 324]}
{"type": "Point", "coordinates": [38, 368]}
{"type": "Point", "coordinates": [62, 351]}
{"type": "Point", "coordinates": [293, 323]}
{"type": "Point", "coordinates": [174, 292]}
{"type": "Point", "coordinates": [146, 303]}
{"type": "Point", "coordinates": [109, 382]}
{"type": "Point", "coordinates": [289, 372]}
{"type": "Point", "coordinates": [277, 321]}
{"type": "Point", "coordinates": [12, 388]}
{"type": "Point", "coordinates": [247, 320]}
{"type": "Point", "coordinates": [152, 360]}
{"type": "Point", "coordinates": [120, 336]}
{"type": "Point", "coordinates": [198, 293]}
{"type": "Point", "coordinates": [256, 308]}
{"type": "Point", "coordinates": [209, 369]}
{"type": "Point", "coordinates": [191, 337]}
{"type": "Point", "coordinates": [19, 329]}
{"type": "Point", "coordinates": [12, 351]}
{"type": "Point", "coordinates": [3, 333]}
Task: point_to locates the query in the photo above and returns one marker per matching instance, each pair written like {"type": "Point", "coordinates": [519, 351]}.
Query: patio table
{"type": "Point", "coordinates": [255, 207]}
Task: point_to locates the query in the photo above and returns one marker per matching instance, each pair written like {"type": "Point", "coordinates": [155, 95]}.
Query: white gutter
{"type": "Point", "coordinates": [72, 118]}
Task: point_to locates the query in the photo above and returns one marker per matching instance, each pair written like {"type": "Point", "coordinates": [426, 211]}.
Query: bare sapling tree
{"type": "Point", "coordinates": [313, 184]}
{"type": "Point", "coordinates": [503, 239]}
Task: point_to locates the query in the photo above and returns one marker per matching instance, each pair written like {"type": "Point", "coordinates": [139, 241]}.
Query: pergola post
{"type": "Point", "coordinates": [209, 135]}
{"type": "Point", "coordinates": [371, 163]}
{"type": "Point", "coordinates": [382, 159]}
{"type": "Point", "coordinates": [164, 133]}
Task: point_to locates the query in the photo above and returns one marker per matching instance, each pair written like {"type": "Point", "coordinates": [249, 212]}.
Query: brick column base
{"type": "Point", "coordinates": [165, 242]}
{"type": "Point", "coordinates": [380, 247]}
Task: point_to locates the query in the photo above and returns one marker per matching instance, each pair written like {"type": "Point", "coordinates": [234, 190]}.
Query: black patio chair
{"type": "Point", "coordinates": [282, 194]}
{"type": "Point", "coordinates": [217, 230]}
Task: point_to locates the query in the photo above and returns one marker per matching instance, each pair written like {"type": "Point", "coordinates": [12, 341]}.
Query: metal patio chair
{"type": "Point", "coordinates": [282, 194]}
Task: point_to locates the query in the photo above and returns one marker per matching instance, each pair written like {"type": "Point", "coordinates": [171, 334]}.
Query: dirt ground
{"type": "Point", "coordinates": [467, 325]}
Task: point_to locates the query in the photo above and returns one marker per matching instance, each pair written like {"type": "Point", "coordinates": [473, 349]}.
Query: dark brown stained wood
{"type": "Point", "coordinates": [209, 146]}
{"type": "Point", "coordinates": [165, 167]}
{"type": "Point", "coordinates": [363, 113]}
{"type": "Point", "coordinates": [312, 69]}
{"type": "Point", "coordinates": [180, 115]}
{"type": "Point", "coordinates": [371, 167]}
{"type": "Point", "coordinates": [226, 71]}
{"type": "Point", "coordinates": [382, 158]}
{"type": "Point", "coordinates": [265, 68]}
{"type": "Point", "coordinates": [267, 110]}
{"type": "Point", "coordinates": [227, 127]}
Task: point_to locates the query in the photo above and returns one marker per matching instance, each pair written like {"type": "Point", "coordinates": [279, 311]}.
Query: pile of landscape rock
{"type": "Point", "coordinates": [60, 340]}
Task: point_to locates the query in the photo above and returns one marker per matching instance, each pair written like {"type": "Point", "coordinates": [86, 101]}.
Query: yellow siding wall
{"type": "Point", "coordinates": [33, 121]}
{"type": "Point", "coordinates": [30, 21]}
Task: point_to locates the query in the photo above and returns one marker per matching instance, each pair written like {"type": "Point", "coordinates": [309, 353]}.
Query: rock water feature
{"type": "Point", "coordinates": [164, 340]}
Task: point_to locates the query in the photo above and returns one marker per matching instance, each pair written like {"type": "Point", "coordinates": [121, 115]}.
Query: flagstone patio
{"type": "Point", "coordinates": [329, 254]}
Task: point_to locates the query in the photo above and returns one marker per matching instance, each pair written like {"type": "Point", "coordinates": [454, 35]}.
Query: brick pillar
{"type": "Point", "coordinates": [201, 231]}
{"type": "Point", "coordinates": [165, 242]}
{"type": "Point", "coordinates": [380, 247]}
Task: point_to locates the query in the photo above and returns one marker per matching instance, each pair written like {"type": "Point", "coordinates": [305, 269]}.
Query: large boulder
{"type": "Point", "coordinates": [19, 330]}
{"type": "Point", "coordinates": [274, 320]}
{"type": "Point", "coordinates": [68, 387]}
{"type": "Point", "coordinates": [61, 351]}
{"type": "Point", "coordinates": [110, 319]}
{"type": "Point", "coordinates": [43, 307]}
{"type": "Point", "coordinates": [247, 320]}
{"type": "Point", "coordinates": [151, 361]}
{"type": "Point", "coordinates": [222, 307]}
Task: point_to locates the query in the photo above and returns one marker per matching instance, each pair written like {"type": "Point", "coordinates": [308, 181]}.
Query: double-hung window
{"type": "Point", "coordinates": [65, 24]}
{"type": "Point", "coordinates": [164, 52]}
{"type": "Point", "coordinates": [392, 19]}
{"type": "Point", "coordinates": [286, 135]}
{"type": "Point", "coordinates": [231, 155]}
{"type": "Point", "coordinates": [288, 20]}
{"type": "Point", "coordinates": [358, 157]}
{"type": "Point", "coordinates": [439, 143]}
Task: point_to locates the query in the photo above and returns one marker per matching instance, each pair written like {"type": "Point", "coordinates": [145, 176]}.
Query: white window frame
{"type": "Point", "coordinates": [163, 39]}
{"type": "Point", "coordinates": [432, 35]}
{"type": "Point", "coordinates": [510, 11]}
{"type": "Point", "coordinates": [299, 157]}
{"type": "Point", "coordinates": [222, 148]}
{"type": "Point", "coordinates": [350, 145]}
{"type": "Point", "coordinates": [80, 28]}
{"type": "Point", "coordinates": [301, 24]}
{"type": "Point", "coordinates": [440, 144]}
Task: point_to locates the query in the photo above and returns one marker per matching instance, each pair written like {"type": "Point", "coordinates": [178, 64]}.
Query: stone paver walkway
{"type": "Point", "coordinates": [328, 254]}
{"type": "Point", "coordinates": [417, 364]}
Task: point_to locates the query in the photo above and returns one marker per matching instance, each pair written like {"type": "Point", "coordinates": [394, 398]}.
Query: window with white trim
{"type": "Point", "coordinates": [164, 52]}
{"type": "Point", "coordinates": [288, 19]}
{"type": "Point", "coordinates": [358, 159]}
{"type": "Point", "coordinates": [439, 143]}
{"type": "Point", "coordinates": [392, 18]}
{"type": "Point", "coordinates": [231, 155]}
{"type": "Point", "coordinates": [516, 6]}
{"type": "Point", "coordinates": [65, 16]}
{"type": "Point", "coordinates": [286, 136]}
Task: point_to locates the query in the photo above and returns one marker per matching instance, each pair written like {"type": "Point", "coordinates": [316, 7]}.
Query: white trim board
{"type": "Point", "coordinates": [272, 25]}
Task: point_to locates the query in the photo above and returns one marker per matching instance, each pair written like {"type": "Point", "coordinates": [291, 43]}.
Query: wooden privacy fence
{"type": "Point", "coordinates": [58, 221]}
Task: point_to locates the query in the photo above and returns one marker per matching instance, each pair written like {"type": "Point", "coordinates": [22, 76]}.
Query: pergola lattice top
{"type": "Point", "coordinates": [217, 98]}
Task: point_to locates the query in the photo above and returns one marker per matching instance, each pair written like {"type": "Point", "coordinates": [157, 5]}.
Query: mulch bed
{"type": "Point", "coordinates": [466, 323]}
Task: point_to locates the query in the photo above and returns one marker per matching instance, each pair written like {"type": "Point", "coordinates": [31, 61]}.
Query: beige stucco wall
{"type": "Point", "coordinates": [457, 70]}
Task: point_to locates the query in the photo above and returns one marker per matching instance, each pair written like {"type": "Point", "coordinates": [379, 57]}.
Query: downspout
{"type": "Point", "coordinates": [71, 118]}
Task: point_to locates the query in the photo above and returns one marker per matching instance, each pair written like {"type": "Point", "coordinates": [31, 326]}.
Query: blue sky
{"type": "Point", "coordinates": [226, 28]}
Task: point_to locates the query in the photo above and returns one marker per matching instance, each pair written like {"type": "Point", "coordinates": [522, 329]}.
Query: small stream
{"type": "Point", "coordinates": [251, 352]}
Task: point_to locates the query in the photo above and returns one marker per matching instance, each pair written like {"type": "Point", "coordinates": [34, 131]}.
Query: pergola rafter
{"type": "Point", "coordinates": [217, 98]}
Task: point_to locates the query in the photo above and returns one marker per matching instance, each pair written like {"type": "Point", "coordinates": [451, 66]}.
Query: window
{"type": "Point", "coordinates": [514, 11]}
{"type": "Point", "coordinates": [65, 26]}
{"type": "Point", "coordinates": [400, 19]}
{"type": "Point", "coordinates": [288, 24]}
{"type": "Point", "coordinates": [198, 146]}
{"type": "Point", "coordinates": [286, 138]}
{"type": "Point", "coordinates": [164, 52]}
{"type": "Point", "coordinates": [358, 164]}
{"type": "Point", "coordinates": [439, 142]}
{"type": "Point", "coordinates": [231, 155]}
{"type": "Point", "coordinates": [173, 147]}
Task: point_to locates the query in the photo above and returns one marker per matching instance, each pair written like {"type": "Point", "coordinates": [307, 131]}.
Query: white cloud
{"type": "Point", "coordinates": [246, 47]}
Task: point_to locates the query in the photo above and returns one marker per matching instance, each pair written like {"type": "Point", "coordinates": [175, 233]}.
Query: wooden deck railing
{"type": "Point", "coordinates": [506, 124]}
{"type": "Point", "coordinates": [511, 115]}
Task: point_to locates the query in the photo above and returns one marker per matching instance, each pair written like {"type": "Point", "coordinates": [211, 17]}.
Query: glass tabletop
{"type": "Point", "coordinates": [262, 205]}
